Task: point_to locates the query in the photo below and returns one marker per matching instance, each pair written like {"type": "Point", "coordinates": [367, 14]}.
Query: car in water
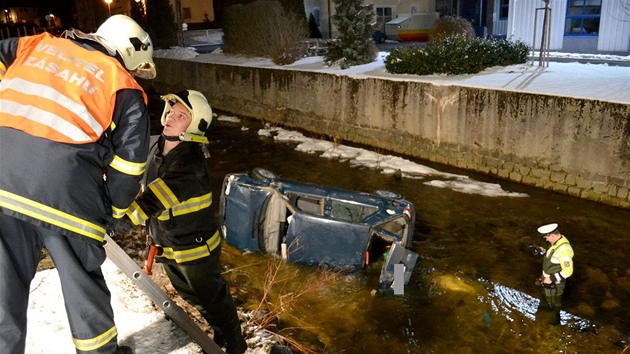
{"type": "Point", "coordinates": [317, 225]}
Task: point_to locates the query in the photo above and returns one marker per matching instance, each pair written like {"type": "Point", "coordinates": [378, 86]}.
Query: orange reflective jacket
{"type": "Point", "coordinates": [60, 91]}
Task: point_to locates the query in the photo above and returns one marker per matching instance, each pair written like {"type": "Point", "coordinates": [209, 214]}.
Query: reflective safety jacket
{"type": "Point", "coordinates": [176, 204]}
{"type": "Point", "coordinates": [74, 132]}
{"type": "Point", "coordinates": [558, 261]}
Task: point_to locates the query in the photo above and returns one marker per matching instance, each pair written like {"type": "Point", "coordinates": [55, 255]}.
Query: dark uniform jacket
{"type": "Point", "coordinates": [176, 204]}
{"type": "Point", "coordinates": [75, 189]}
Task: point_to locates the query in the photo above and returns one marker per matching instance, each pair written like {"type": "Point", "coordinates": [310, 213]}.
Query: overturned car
{"type": "Point", "coordinates": [317, 225]}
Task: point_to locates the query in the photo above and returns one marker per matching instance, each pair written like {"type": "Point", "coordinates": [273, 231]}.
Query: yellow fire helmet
{"type": "Point", "coordinates": [199, 108]}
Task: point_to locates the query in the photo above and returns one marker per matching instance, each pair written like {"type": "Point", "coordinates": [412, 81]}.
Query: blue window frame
{"type": "Point", "coordinates": [583, 17]}
{"type": "Point", "coordinates": [504, 7]}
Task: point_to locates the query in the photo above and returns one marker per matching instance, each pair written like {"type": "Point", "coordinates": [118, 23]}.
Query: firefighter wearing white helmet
{"type": "Point", "coordinates": [176, 207]}
{"type": "Point", "coordinates": [123, 35]}
{"type": "Point", "coordinates": [76, 98]}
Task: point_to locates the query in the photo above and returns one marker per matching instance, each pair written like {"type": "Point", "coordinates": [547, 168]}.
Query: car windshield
{"type": "Point", "coordinates": [351, 212]}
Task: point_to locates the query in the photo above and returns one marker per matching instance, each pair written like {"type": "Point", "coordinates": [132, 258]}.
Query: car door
{"type": "Point", "coordinates": [314, 240]}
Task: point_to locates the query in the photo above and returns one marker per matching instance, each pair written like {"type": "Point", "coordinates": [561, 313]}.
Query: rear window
{"type": "Point", "coordinates": [350, 212]}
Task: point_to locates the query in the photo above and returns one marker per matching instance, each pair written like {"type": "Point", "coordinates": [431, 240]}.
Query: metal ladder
{"type": "Point", "coordinates": [148, 286]}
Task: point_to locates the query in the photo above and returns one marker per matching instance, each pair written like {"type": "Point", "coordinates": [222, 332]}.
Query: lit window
{"type": "Point", "coordinates": [583, 17]}
{"type": "Point", "coordinates": [504, 8]}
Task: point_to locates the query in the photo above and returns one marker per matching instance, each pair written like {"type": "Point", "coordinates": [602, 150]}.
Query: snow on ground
{"type": "Point", "coordinates": [388, 164]}
{"type": "Point", "coordinates": [140, 326]}
{"type": "Point", "coordinates": [570, 79]}
{"type": "Point", "coordinates": [146, 329]}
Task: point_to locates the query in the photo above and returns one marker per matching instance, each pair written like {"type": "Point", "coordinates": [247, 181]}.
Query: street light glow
{"type": "Point", "coordinates": [109, 9]}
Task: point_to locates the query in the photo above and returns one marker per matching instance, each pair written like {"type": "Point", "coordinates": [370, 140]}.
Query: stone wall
{"type": "Point", "coordinates": [569, 145]}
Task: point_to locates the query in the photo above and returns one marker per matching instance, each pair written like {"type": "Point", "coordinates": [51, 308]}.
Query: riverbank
{"type": "Point", "coordinates": [563, 127]}
{"type": "Point", "coordinates": [589, 76]}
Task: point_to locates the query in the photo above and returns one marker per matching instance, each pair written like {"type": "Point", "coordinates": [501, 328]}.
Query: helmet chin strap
{"type": "Point", "coordinates": [190, 137]}
{"type": "Point", "coordinates": [171, 137]}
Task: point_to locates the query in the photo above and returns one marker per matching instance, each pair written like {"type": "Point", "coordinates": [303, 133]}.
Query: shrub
{"type": "Point", "coordinates": [276, 35]}
{"type": "Point", "coordinates": [456, 55]}
{"type": "Point", "coordinates": [354, 46]}
{"type": "Point", "coordinates": [448, 26]}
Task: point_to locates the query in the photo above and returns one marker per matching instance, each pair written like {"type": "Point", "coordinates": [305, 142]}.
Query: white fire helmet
{"type": "Point", "coordinates": [121, 34]}
{"type": "Point", "coordinates": [196, 103]}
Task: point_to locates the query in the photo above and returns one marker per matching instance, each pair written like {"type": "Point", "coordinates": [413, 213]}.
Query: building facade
{"type": "Point", "coordinates": [23, 17]}
{"type": "Point", "coordinates": [92, 13]}
{"type": "Point", "coordinates": [575, 26]}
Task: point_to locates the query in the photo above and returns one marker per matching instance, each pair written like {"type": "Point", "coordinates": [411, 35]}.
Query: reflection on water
{"type": "Point", "coordinates": [510, 303]}
{"type": "Point", "coordinates": [473, 289]}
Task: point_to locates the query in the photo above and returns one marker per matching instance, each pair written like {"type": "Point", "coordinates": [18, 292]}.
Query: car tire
{"type": "Point", "coordinates": [387, 194]}
{"type": "Point", "coordinates": [262, 174]}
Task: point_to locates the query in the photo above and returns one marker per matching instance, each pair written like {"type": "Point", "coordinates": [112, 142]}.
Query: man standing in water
{"type": "Point", "coordinates": [557, 267]}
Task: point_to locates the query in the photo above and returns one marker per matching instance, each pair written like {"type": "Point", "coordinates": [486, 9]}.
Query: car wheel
{"type": "Point", "coordinates": [262, 174]}
{"type": "Point", "coordinates": [387, 194]}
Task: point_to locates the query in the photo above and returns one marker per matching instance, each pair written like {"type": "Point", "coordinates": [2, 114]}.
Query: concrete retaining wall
{"type": "Point", "coordinates": [574, 146]}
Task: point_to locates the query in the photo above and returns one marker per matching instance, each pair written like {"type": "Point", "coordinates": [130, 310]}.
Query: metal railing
{"type": "Point", "coordinates": [202, 37]}
{"type": "Point", "coordinates": [7, 32]}
{"type": "Point", "coordinates": [315, 47]}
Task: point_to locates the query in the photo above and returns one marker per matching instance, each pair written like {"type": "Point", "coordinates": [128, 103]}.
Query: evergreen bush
{"type": "Point", "coordinates": [456, 55]}
{"type": "Point", "coordinates": [160, 22]}
{"type": "Point", "coordinates": [313, 28]}
{"type": "Point", "coordinates": [355, 23]}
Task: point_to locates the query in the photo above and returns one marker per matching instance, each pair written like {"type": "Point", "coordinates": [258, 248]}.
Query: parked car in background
{"type": "Point", "coordinates": [317, 225]}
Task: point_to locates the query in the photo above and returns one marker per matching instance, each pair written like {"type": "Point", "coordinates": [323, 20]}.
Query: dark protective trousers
{"type": "Point", "coordinates": [202, 286]}
{"type": "Point", "coordinates": [85, 293]}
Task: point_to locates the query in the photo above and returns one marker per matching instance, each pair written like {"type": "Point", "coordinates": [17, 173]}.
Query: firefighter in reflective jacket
{"type": "Point", "coordinates": [74, 134]}
{"type": "Point", "coordinates": [176, 206]}
{"type": "Point", "coordinates": [557, 267]}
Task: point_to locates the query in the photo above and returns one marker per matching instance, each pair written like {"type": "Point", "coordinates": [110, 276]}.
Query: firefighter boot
{"type": "Point", "coordinates": [234, 341]}
{"type": "Point", "coordinates": [218, 337]}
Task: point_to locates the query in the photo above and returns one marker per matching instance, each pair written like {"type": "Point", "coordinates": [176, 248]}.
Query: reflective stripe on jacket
{"type": "Point", "coordinates": [176, 204]}
{"type": "Point", "coordinates": [558, 262]}
{"type": "Point", "coordinates": [59, 91]}
{"type": "Point", "coordinates": [44, 179]}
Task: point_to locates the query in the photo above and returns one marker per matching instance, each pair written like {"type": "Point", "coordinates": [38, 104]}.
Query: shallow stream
{"type": "Point", "coordinates": [473, 288]}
